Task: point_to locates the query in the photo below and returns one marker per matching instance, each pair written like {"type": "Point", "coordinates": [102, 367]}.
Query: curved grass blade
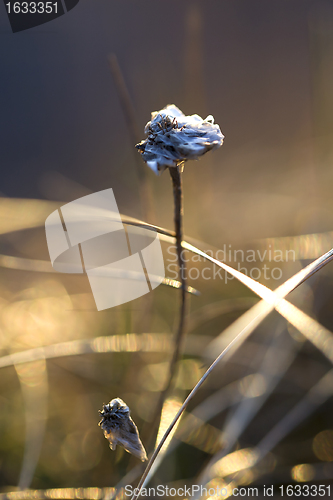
{"type": "Point", "coordinates": [130, 342]}
{"type": "Point", "coordinates": [43, 266]}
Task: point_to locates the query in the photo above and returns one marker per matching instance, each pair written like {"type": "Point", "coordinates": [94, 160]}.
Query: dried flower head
{"type": "Point", "coordinates": [173, 138]}
{"type": "Point", "coordinates": [119, 428]}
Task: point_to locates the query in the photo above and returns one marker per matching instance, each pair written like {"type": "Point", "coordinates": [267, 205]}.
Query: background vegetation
{"type": "Point", "coordinates": [265, 71]}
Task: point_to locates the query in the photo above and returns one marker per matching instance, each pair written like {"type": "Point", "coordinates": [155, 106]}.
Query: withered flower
{"type": "Point", "coordinates": [119, 428]}
{"type": "Point", "coordinates": [173, 138]}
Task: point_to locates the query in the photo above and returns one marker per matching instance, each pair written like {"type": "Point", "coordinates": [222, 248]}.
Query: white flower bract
{"type": "Point", "coordinates": [173, 138]}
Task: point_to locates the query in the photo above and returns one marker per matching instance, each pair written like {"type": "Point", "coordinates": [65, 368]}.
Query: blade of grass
{"type": "Point", "coordinates": [130, 342]}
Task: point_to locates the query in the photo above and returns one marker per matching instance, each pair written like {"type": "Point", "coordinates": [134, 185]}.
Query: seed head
{"type": "Point", "coordinates": [173, 138]}
{"type": "Point", "coordinates": [119, 428]}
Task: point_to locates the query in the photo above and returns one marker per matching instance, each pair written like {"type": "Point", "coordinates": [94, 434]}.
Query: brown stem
{"type": "Point", "coordinates": [176, 178]}
{"type": "Point", "coordinates": [176, 174]}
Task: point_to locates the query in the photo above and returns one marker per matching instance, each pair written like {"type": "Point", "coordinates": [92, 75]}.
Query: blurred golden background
{"type": "Point", "coordinates": [264, 70]}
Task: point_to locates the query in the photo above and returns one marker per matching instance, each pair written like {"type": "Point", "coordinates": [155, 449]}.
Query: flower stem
{"type": "Point", "coordinates": [176, 178]}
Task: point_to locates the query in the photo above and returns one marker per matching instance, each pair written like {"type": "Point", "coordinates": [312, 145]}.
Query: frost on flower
{"type": "Point", "coordinates": [173, 138]}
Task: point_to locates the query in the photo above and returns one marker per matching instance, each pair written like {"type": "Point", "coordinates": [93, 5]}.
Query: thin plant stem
{"type": "Point", "coordinates": [176, 177]}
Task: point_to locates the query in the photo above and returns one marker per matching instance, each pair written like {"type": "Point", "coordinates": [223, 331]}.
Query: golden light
{"type": "Point", "coordinates": [303, 473]}
{"type": "Point", "coordinates": [234, 462]}
{"type": "Point", "coordinates": [41, 315]}
{"type": "Point", "coordinates": [303, 246]}
{"type": "Point", "coordinates": [323, 445]}
{"type": "Point", "coordinates": [223, 489]}
{"type": "Point", "coordinates": [204, 436]}
{"type": "Point", "coordinates": [90, 493]}
{"type": "Point", "coordinates": [190, 371]}
{"type": "Point", "coordinates": [153, 377]}
{"type": "Point", "coordinates": [169, 411]}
